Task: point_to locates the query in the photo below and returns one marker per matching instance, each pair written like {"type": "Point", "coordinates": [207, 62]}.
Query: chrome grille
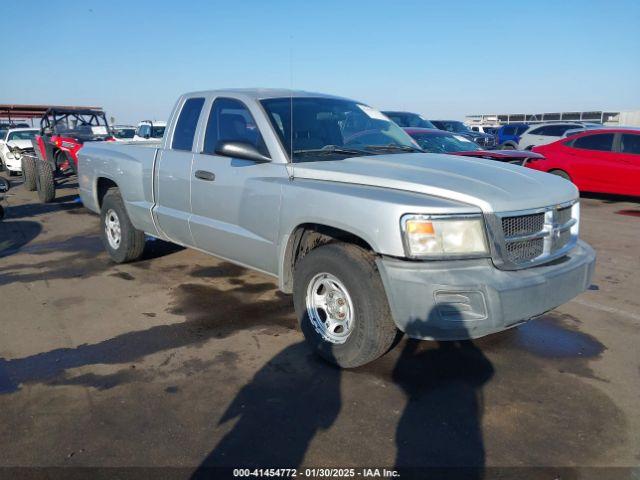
{"type": "Point", "coordinates": [563, 215]}
{"type": "Point", "coordinates": [560, 240]}
{"type": "Point", "coordinates": [524, 250]}
{"type": "Point", "coordinates": [522, 225]}
{"type": "Point", "coordinates": [534, 237]}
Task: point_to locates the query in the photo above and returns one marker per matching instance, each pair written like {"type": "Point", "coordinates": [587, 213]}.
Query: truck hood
{"type": "Point", "coordinates": [486, 184]}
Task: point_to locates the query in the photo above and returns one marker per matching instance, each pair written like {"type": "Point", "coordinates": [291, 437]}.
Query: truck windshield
{"type": "Point", "coordinates": [329, 129]}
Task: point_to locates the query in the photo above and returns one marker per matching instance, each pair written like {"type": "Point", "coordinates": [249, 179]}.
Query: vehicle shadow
{"type": "Point", "coordinates": [610, 197]}
{"type": "Point", "coordinates": [219, 313]}
{"type": "Point", "coordinates": [14, 235]}
{"type": "Point", "coordinates": [295, 395]}
{"type": "Point", "coordinates": [440, 427]}
{"type": "Point", "coordinates": [25, 210]}
{"type": "Point", "coordinates": [292, 397]}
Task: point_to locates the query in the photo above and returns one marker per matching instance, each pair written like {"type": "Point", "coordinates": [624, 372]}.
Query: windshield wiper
{"type": "Point", "coordinates": [393, 146]}
{"type": "Point", "coordinates": [332, 149]}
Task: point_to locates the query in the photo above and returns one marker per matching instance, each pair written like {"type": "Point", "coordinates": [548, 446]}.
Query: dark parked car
{"type": "Point", "coordinates": [438, 141]}
{"type": "Point", "coordinates": [459, 128]}
{"type": "Point", "coordinates": [408, 119]}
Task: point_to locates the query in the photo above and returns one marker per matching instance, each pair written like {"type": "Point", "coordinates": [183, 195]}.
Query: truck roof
{"type": "Point", "coordinates": [263, 93]}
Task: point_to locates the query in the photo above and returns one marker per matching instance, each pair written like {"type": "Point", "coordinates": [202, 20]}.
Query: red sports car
{"type": "Point", "coordinates": [604, 160]}
{"type": "Point", "coordinates": [439, 141]}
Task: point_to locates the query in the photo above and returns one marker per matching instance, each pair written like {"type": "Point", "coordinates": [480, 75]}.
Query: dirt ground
{"type": "Point", "coordinates": [184, 360]}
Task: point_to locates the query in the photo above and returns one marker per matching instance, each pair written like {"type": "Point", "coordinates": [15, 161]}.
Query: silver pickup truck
{"type": "Point", "coordinates": [329, 196]}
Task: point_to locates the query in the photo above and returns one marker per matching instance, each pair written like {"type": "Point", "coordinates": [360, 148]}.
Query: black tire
{"type": "Point", "coordinates": [508, 146]}
{"type": "Point", "coordinates": [561, 173]}
{"type": "Point", "coordinates": [131, 244]}
{"type": "Point", "coordinates": [29, 173]}
{"type": "Point", "coordinates": [374, 330]}
{"type": "Point", "coordinates": [45, 183]}
{"type": "Point", "coordinates": [1, 212]}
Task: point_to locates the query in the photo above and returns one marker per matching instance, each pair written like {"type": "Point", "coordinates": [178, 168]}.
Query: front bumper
{"type": "Point", "coordinates": [13, 164]}
{"type": "Point", "coordinates": [463, 299]}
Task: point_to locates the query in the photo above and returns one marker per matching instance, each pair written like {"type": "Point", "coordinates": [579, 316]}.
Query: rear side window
{"type": "Point", "coordinates": [187, 123]}
{"type": "Point", "coordinates": [630, 143]}
{"type": "Point", "coordinates": [601, 142]}
{"type": "Point", "coordinates": [231, 121]}
{"type": "Point", "coordinates": [539, 131]}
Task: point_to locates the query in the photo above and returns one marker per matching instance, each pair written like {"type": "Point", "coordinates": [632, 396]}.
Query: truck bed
{"type": "Point", "coordinates": [131, 166]}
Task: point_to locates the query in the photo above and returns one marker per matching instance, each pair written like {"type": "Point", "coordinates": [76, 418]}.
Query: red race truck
{"type": "Point", "coordinates": [63, 131]}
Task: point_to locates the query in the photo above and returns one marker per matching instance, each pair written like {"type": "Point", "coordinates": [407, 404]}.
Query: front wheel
{"type": "Point", "coordinates": [121, 239]}
{"type": "Point", "coordinates": [342, 306]}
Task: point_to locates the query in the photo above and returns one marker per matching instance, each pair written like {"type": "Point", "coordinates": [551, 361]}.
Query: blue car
{"type": "Point", "coordinates": [508, 135]}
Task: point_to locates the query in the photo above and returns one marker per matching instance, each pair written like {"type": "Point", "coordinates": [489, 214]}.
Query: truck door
{"type": "Point", "coordinates": [173, 205]}
{"type": "Point", "coordinates": [235, 202]}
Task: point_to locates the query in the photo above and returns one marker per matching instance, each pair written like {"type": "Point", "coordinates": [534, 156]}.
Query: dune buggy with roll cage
{"type": "Point", "coordinates": [63, 131]}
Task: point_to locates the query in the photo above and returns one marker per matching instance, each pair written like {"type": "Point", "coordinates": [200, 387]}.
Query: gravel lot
{"type": "Point", "coordinates": [184, 360]}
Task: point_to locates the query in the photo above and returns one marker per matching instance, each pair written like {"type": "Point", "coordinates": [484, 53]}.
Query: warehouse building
{"type": "Point", "coordinates": [629, 118]}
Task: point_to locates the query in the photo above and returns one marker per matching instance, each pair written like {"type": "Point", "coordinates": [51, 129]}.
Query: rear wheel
{"type": "Point", "coordinates": [561, 173]}
{"type": "Point", "coordinates": [45, 183]}
{"type": "Point", "coordinates": [342, 306]}
{"type": "Point", "coordinates": [29, 173]}
{"type": "Point", "coordinates": [121, 239]}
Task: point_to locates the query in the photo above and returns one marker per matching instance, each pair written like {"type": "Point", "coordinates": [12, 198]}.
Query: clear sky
{"type": "Point", "coordinates": [439, 58]}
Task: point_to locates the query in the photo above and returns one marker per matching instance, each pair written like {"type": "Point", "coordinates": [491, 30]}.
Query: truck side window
{"type": "Point", "coordinates": [231, 121]}
{"type": "Point", "coordinates": [187, 123]}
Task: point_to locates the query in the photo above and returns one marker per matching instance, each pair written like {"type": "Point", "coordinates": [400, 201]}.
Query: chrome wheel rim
{"type": "Point", "coordinates": [112, 229]}
{"type": "Point", "coordinates": [329, 308]}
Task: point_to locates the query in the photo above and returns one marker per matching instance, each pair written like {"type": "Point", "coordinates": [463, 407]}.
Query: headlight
{"type": "Point", "coordinates": [14, 152]}
{"type": "Point", "coordinates": [444, 235]}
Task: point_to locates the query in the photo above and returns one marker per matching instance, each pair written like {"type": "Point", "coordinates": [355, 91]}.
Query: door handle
{"type": "Point", "coordinates": [204, 175]}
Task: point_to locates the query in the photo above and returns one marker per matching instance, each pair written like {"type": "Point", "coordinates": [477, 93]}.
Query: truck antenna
{"type": "Point", "coordinates": [291, 171]}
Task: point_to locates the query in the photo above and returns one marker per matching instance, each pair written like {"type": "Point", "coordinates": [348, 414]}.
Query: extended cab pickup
{"type": "Point", "coordinates": [369, 234]}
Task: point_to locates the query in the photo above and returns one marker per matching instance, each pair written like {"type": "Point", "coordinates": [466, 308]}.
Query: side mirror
{"type": "Point", "coordinates": [242, 150]}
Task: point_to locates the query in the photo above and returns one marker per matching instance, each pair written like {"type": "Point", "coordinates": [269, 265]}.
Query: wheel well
{"type": "Point", "coordinates": [560, 172]}
{"type": "Point", "coordinates": [104, 184]}
{"type": "Point", "coordinates": [305, 238]}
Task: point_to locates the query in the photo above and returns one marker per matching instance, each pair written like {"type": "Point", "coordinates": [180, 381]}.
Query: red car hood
{"type": "Point", "coordinates": [505, 155]}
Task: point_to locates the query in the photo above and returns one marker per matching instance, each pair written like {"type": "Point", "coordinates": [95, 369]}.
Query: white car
{"type": "Point", "coordinates": [12, 143]}
{"type": "Point", "coordinates": [543, 133]}
{"type": "Point", "coordinates": [150, 131]}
